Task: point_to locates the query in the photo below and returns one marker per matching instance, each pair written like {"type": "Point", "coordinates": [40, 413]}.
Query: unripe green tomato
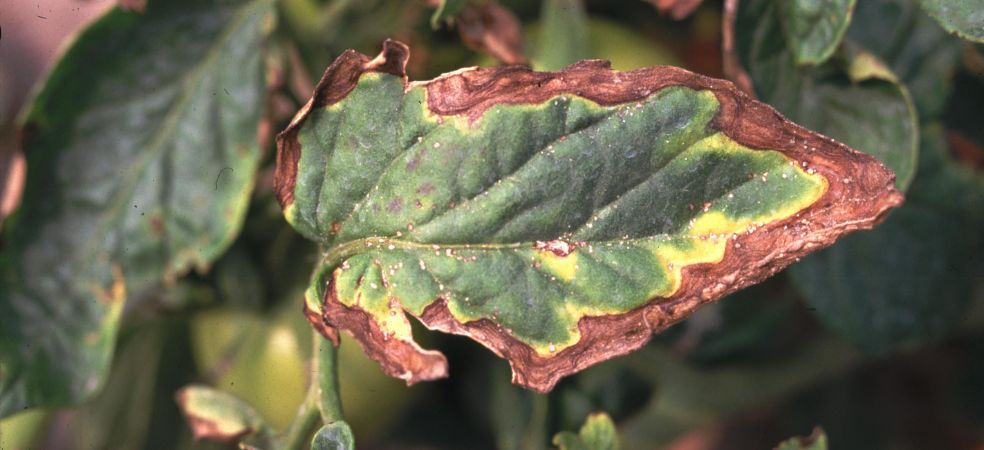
{"type": "Point", "coordinates": [23, 430]}
{"type": "Point", "coordinates": [262, 360]}
{"type": "Point", "coordinates": [270, 369]}
{"type": "Point", "coordinates": [625, 48]}
{"type": "Point", "coordinates": [371, 400]}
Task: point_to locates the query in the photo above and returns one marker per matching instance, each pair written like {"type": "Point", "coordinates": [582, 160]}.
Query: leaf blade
{"type": "Point", "coordinates": [813, 30]}
{"type": "Point", "coordinates": [965, 18]}
{"type": "Point", "coordinates": [85, 240]}
{"type": "Point", "coordinates": [569, 277]}
{"type": "Point", "coordinates": [853, 97]}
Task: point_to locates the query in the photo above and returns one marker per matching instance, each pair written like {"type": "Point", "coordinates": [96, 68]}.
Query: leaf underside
{"type": "Point", "coordinates": [558, 218]}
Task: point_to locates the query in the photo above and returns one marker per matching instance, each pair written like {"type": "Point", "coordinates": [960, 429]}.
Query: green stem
{"type": "Point", "coordinates": [298, 435]}
{"type": "Point", "coordinates": [322, 405]}
{"type": "Point", "coordinates": [326, 371]}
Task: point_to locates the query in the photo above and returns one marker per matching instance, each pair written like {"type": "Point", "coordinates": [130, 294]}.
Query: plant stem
{"type": "Point", "coordinates": [322, 400]}
{"type": "Point", "coordinates": [326, 371]}
{"type": "Point", "coordinates": [298, 435]}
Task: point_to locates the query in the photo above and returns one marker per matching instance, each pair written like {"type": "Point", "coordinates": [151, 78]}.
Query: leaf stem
{"type": "Point", "coordinates": [326, 377]}
{"type": "Point", "coordinates": [322, 400]}
{"type": "Point", "coordinates": [298, 435]}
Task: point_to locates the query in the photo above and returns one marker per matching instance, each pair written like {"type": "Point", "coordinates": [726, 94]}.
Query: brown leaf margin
{"type": "Point", "coordinates": [860, 193]}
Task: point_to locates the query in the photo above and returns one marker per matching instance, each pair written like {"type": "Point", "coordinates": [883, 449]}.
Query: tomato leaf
{"type": "Point", "coordinates": [446, 11]}
{"type": "Point", "coordinates": [814, 29]}
{"type": "Point", "coordinates": [558, 218]}
{"type": "Point", "coordinates": [854, 97]}
{"type": "Point", "coordinates": [138, 171]}
{"type": "Point", "coordinates": [921, 53]}
{"type": "Point", "coordinates": [817, 440]}
{"type": "Point", "coordinates": [909, 281]}
{"type": "Point", "coordinates": [218, 416]}
{"type": "Point", "coordinates": [597, 433]}
{"type": "Point", "coordinates": [965, 18]}
{"type": "Point", "coordinates": [334, 436]}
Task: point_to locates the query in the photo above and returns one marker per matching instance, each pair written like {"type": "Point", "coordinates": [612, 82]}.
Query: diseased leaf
{"type": "Point", "coordinates": [916, 49]}
{"type": "Point", "coordinates": [136, 173]}
{"type": "Point", "coordinates": [817, 440]}
{"type": "Point", "coordinates": [854, 97]}
{"type": "Point", "coordinates": [965, 18]}
{"type": "Point", "coordinates": [813, 29]}
{"type": "Point", "coordinates": [218, 416]}
{"type": "Point", "coordinates": [334, 436]}
{"type": "Point", "coordinates": [909, 281]}
{"type": "Point", "coordinates": [558, 218]}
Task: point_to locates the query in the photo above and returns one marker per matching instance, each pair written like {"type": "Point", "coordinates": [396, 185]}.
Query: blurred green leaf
{"type": "Point", "coordinates": [908, 281]}
{"type": "Point", "coordinates": [688, 397]}
{"type": "Point", "coordinates": [219, 416]}
{"type": "Point", "coordinates": [120, 417]}
{"type": "Point", "coordinates": [445, 12]}
{"type": "Point", "coordinates": [141, 155]}
{"type": "Point", "coordinates": [814, 29]}
{"type": "Point", "coordinates": [614, 388]}
{"type": "Point", "coordinates": [564, 37]}
{"type": "Point", "coordinates": [921, 53]}
{"type": "Point", "coordinates": [743, 325]}
{"type": "Point", "coordinates": [853, 98]}
{"type": "Point", "coordinates": [965, 18]}
{"type": "Point", "coordinates": [817, 440]}
{"type": "Point", "coordinates": [334, 436]}
{"type": "Point", "coordinates": [597, 433]}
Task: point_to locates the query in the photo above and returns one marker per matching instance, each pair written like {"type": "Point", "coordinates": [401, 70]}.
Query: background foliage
{"type": "Point", "coordinates": [161, 118]}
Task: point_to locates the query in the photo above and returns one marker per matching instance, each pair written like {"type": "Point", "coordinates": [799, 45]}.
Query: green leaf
{"type": "Point", "coordinates": [445, 12]}
{"type": "Point", "coordinates": [141, 156]}
{"type": "Point", "coordinates": [813, 29]}
{"type": "Point", "coordinates": [597, 433]}
{"type": "Point", "coordinates": [921, 53]}
{"type": "Point", "coordinates": [564, 38]}
{"type": "Point", "coordinates": [817, 440]}
{"type": "Point", "coordinates": [334, 436]}
{"type": "Point", "coordinates": [909, 281]}
{"type": "Point", "coordinates": [557, 218]}
{"type": "Point", "coordinates": [218, 416]}
{"type": "Point", "coordinates": [965, 18]}
{"type": "Point", "coordinates": [853, 98]}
